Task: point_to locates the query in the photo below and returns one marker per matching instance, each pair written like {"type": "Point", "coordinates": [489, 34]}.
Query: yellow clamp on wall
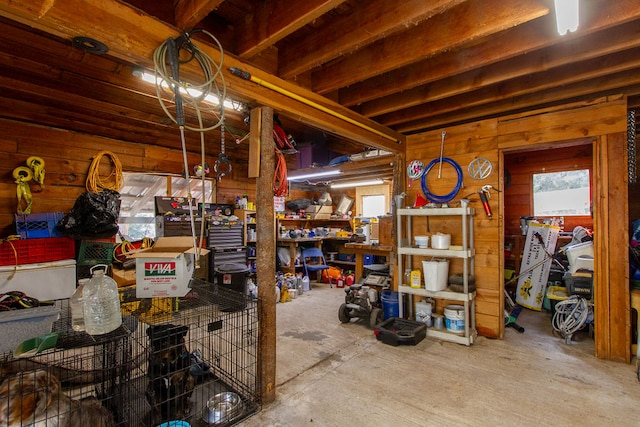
{"type": "Point", "coordinates": [23, 175]}
{"type": "Point", "coordinates": [37, 166]}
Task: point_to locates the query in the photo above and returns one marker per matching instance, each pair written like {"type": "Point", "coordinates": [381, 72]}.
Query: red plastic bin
{"type": "Point", "coordinates": [31, 251]}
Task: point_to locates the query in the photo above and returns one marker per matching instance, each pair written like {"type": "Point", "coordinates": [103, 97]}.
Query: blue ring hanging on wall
{"type": "Point", "coordinates": [445, 198]}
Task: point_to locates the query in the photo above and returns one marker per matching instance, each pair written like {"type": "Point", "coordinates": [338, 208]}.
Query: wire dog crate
{"type": "Point", "coordinates": [196, 362]}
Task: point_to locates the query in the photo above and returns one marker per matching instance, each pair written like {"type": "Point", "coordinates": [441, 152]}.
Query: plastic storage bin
{"type": "Point", "coordinates": [93, 252]}
{"type": "Point", "coordinates": [234, 277]}
{"type": "Point", "coordinates": [396, 331]}
{"type": "Point", "coordinates": [44, 281]}
{"type": "Point", "coordinates": [17, 326]}
{"type": "Point", "coordinates": [31, 251]}
{"type": "Point", "coordinates": [31, 226]}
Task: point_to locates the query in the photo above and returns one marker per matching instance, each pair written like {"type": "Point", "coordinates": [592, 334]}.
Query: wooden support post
{"type": "Point", "coordinates": [254, 144]}
{"type": "Point", "coordinates": [266, 248]}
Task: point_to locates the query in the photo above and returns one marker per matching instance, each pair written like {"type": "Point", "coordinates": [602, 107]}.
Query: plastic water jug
{"type": "Point", "coordinates": [306, 285]}
{"type": "Point", "coordinates": [101, 303]}
{"type": "Point", "coordinates": [76, 305]}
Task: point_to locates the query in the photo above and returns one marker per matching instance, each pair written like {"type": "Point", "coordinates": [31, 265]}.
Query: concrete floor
{"type": "Point", "coordinates": [333, 374]}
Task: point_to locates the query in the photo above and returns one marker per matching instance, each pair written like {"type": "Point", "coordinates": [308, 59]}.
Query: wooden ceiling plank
{"type": "Point", "coordinates": [627, 83]}
{"type": "Point", "coordinates": [527, 85]}
{"type": "Point", "coordinates": [523, 38]}
{"type": "Point", "coordinates": [274, 20]}
{"type": "Point", "coordinates": [190, 12]}
{"type": "Point", "coordinates": [473, 20]}
{"type": "Point", "coordinates": [346, 33]}
{"type": "Point", "coordinates": [111, 23]}
{"type": "Point", "coordinates": [574, 50]}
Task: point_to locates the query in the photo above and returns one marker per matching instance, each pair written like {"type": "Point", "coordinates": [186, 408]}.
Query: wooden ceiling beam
{"type": "Point", "coordinates": [111, 23]}
{"type": "Point", "coordinates": [627, 83]}
{"type": "Point", "coordinates": [576, 50]}
{"type": "Point", "coordinates": [188, 13]}
{"type": "Point", "coordinates": [273, 20]}
{"type": "Point", "coordinates": [381, 18]}
{"type": "Point", "coordinates": [531, 84]}
{"type": "Point", "coordinates": [528, 37]}
{"type": "Point", "coordinates": [472, 20]}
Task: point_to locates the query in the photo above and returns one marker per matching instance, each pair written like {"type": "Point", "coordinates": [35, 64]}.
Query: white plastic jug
{"type": "Point", "coordinates": [101, 303]}
{"type": "Point", "coordinates": [76, 305]}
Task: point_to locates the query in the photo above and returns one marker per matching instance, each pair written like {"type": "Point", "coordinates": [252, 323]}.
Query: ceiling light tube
{"type": "Point", "coordinates": [566, 15]}
{"type": "Point", "coordinates": [191, 92]}
{"type": "Point", "coordinates": [358, 183]}
{"type": "Point", "coordinates": [314, 175]}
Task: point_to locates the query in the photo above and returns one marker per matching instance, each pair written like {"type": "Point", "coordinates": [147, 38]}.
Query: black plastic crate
{"type": "Point", "coordinates": [396, 331]}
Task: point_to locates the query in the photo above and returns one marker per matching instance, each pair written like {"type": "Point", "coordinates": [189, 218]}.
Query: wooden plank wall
{"type": "Point", "coordinates": [463, 144]}
{"type": "Point", "coordinates": [67, 156]}
{"type": "Point", "coordinates": [596, 120]}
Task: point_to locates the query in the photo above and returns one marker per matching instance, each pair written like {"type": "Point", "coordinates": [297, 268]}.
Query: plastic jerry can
{"type": "Point", "coordinates": [415, 279]}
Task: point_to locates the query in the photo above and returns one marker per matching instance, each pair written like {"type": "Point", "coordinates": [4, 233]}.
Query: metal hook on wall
{"type": "Point", "coordinates": [441, 153]}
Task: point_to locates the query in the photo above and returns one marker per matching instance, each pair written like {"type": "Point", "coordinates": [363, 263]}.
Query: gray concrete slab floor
{"type": "Point", "coordinates": [334, 374]}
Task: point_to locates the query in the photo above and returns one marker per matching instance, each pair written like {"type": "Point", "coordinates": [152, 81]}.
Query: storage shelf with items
{"type": "Point", "coordinates": [330, 235]}
{"type": "Point", "coordinates": [464, 252]}
{"type": "Point", "coordinates": [248, 219]}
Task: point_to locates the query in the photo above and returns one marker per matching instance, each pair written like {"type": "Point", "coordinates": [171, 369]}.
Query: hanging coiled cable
{"type": "Point", "coordinates": [280, 181]}
{"type": "Point", "coordinates": [190, 93]}
{"type": "Point", "coordinates": [435, 198]}
{"type": "Point", "coordinates": [113, 181]}
{"type": "Point", "coordinates": [193, 96]}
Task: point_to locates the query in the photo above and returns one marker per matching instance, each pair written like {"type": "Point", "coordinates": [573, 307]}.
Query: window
{"type": "Point", "coordinates": [137, 206]}
{"type": "Point", "coordinates": [373, 205]}
{"type": "Point", "coordinates": [566, 193]}
{"type": "Point", "coordinates": [373, 200]}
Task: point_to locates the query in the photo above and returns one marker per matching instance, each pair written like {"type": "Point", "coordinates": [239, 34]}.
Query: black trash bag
{"type": "Point", "coordinates": [299, 204]}
{"type": "Point", "coordinates": [94, 215]}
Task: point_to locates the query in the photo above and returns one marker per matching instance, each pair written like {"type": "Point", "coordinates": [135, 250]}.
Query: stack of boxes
{"type": "Point", "coordinates": [579, 278]}
{"type": "Point", "coordinates": [42, 263]}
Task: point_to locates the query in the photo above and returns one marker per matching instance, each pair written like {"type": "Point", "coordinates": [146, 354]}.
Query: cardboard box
{"type": "Point", "coordinates": [123, 277]}
{"type": "Point", "coordinates": [165, 269]}
{"type": "Point", "coordinates": [381, 230]}
{"type": "Point", "coordinates": [319, 212]}
{"type": "Point", "coordinates": [43, 281]}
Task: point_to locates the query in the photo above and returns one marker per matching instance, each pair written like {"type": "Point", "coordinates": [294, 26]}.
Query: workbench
{"type": "Point", "coordinates": [362, 249]}
{"type": "Point", "coordinates": [293, 244]}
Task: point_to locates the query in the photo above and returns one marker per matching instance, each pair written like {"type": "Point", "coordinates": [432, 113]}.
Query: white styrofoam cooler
{"type": "Point", "coordinates": [577, 250]}
{"type": "Point", "coordinates": [43, 281]}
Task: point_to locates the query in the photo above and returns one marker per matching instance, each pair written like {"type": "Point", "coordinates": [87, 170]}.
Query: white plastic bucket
{"type": "Point", "coordinates": [441, 241]}
{"type": "Point", "coordinates": [436, 274]}
{"type": "Point", "coordinates": [422, 241]}
{"type": "Point", "coordinates": [454, 318]}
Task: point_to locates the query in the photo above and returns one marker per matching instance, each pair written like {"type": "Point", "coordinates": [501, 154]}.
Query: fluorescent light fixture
{"type": "Point", "coordinates": [358, 183]}
{"type": "Point", "coordinates": [192, 93]}
{"type": "Point", "coordinates": [314, 175]}
{"type": "Point", "coordinates": [566, 15]}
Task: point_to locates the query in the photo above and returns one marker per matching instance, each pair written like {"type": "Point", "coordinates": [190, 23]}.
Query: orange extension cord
{"type": "Point", "coordinates": [280, 183]}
